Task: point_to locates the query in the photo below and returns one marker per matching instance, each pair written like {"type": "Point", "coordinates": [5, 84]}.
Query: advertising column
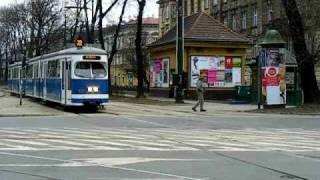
{"type": "Point", "coordinates": [273, 77]}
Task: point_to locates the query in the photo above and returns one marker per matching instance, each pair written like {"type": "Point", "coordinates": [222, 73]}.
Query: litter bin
{"type": "Point", "coordinates": [294, 97]}
{"type": "Point", "coordinates": [243, 93]}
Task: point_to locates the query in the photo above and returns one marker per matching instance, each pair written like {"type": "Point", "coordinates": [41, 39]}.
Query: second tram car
{"type": "Point", "coordinates": [71, 77]}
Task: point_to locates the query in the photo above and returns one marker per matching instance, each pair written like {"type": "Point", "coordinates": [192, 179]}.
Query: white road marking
{"type": "Point", "coordinates": [107, 142]}
{"type": "Point", "coordinates": [101, 165]}
{"type": "Point", "coordinates": [25, 142]}
{"type": "Point", "coordinates": [67, 142]}
{"type": "Point", "coordinates": [159, 139]}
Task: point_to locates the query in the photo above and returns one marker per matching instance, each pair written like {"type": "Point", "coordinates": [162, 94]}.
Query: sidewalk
{"type": "Point", "coordinates": [167, 105]}
{"type": "Point", "coordinates": [9, 107]}
{"type": "Point", "coordinates": [211, 105]}
{"type": "Point", "coordinates": [223, 107]}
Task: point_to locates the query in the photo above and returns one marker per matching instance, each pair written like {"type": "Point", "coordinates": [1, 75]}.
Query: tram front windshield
{"type": "Point", "coordinates": [91, 70]}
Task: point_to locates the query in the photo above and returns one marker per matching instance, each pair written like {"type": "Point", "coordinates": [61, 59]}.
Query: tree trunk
{"type": "Point", "coordinates": [6, 75]}
{"type": "Point", "coordinates": [100, 26]}
{"type": "Point", "coordinates": [139, 53]}
{"type": "Point", "coordinates": [306, 62]}
{"type": "Point", "coordinates": [101, 16]}
{"type": "Point", "coordinates": [85, 7]}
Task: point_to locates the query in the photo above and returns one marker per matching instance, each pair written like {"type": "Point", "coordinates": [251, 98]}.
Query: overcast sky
{"type": "Point", "coordinates": [151, 8]}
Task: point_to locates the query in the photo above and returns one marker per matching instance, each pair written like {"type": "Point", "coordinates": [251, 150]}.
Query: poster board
{"type": "Point", "coordinates": [218, 71]}
{"type": "Point", "coordinates": [159, 72]}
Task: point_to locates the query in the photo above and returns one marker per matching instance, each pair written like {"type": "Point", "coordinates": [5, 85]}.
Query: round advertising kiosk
{"type": "Point", "coordinates": [273, 71]}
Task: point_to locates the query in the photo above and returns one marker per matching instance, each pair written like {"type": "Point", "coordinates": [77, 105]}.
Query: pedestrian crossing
{"type": "Point", "coordinates": [159, 139]}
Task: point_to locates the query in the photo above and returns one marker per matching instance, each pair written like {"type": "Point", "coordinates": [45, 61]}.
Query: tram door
{"type": "Point", "coordinates": [45, 70]}
{"type": "Point", "coordinates": [66, 81]}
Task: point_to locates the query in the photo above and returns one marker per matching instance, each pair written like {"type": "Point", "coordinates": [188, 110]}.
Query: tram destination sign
{"type": "Point", "coordinates": [91, 57]}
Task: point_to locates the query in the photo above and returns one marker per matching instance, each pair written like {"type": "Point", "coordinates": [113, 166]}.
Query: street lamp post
{"type": "Point", "coordinates": [257, 49]}
{"type": "Point", "coordinates": [22, 74]}
{"type": "Point", "coordinates": [180, 50]}
{"type": "Point", "coordinates": [65, 29]}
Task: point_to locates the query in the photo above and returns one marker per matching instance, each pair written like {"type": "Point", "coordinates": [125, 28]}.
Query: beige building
{"type": "Point", "coordinates": [211, 51]}
{"type": "Point", "coordinates": [249, 17]}
{"type": "Point", "coordinates": [123, 65]}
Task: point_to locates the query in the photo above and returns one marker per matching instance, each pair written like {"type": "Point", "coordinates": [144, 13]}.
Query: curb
{"type": "Point", "coordinates": [281, 113]}
{"type": "Point", "coordinates": [26, 115]}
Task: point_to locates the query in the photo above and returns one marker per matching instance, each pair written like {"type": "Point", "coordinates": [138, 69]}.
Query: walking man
{"type": "Point", "coordinates": [200, 91]}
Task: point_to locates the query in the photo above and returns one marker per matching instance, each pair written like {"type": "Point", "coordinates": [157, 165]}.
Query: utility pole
{"type": "Point", "coordinates": [92, 10]}
{"type": "Point", "coordinates": [180, 50]}
{"type": "Point", "coordinates": [65, 29]}
{"type": "Point", "coordinates": [22, 73]}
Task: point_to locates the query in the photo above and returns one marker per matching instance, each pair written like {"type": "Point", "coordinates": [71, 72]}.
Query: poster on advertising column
{"type": "Point", "coordinates": [273, 77]}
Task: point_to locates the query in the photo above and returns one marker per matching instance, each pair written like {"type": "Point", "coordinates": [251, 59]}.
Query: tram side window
{"type": "Point", "coordinates": [10, 75]}
{"type": "Point", "coordinates": [54, 69]}
{"type": "Point", "coordinates": [15, 73]}
{"type": "Point", "coordinates": [36, 70]}
{"type": "Point", "coordinates": [30, 71]}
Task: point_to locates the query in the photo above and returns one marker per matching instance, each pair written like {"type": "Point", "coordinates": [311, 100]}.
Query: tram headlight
{"type": "Point", "coordinates": [93, 89]}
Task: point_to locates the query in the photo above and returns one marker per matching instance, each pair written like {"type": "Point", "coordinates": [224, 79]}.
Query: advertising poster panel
{"type": "Point", "coordinates": [159, 73]}
{"type": "Point", "coordinates": [218, 71]}
{"type": "Point", "coordinates": [273, 77]}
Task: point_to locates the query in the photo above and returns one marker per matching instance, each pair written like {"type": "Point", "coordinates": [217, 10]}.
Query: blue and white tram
{"type": "Point", "coordinates": [14, 77]}
{"type": "Point", "coordinates": [71, 77]}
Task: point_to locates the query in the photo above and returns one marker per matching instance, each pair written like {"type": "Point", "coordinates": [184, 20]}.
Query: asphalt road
{"type": "Point", "coordinates": [176, 145]}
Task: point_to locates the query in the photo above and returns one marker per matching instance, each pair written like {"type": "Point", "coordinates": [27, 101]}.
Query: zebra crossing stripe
{"type": "Point", "coordinates": [66, 142]}
{"type": "Point", "coordinates": [25, 142]}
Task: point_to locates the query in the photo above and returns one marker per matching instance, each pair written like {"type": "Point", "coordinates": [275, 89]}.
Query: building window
{"type": "Point", "coordinates": [173, 11]}
{"type": "Point", "coordinates": [234, 22]}
{"type": "Point", "coordinates": [206, 4]}
{"type": "Point", "coordinates": [225, 1]}
{"type": "Point", "coordinates": [270, 12]}
{"type": "Point", "coordinates": [255, 17]}
{"type": "Point", "coordinates": [244, 20]}
{"type": "Point", "coordinates": [167, 11]}
{"type": "Point", "coordinates": [192, 6]}
{"type": "Point", "coordinates": [215, 2]}
{"type": "Point", "coordinates": [225, 20]}
{"type": "Point", "coordinates": [185, 8]}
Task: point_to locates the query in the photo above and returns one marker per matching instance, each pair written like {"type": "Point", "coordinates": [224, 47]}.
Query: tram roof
{"type": "Point", "coordinates": [73, 51]}
{"type": "Point", "coordinates": [15, 64]}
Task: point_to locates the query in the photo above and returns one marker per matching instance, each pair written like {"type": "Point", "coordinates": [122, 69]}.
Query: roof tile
{"type": "Point", "coordinates": [203, 27]}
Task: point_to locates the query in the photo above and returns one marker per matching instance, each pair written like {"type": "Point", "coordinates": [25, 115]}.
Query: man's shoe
{"type": "Point", "coordinates": [194, 109]}
{"type": "Point", "coordinates": [203, 110]}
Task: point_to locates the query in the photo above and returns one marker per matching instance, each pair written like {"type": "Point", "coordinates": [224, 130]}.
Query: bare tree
{"type": "Point", "coordinates": [139, 54]}
{"type": "Point", "coordinates": [44, 25]}
{"type": "Point", "coordinates": [74, 19]}
{"type": "Point", "coordinates": [306, 62]}
{"type": "Point", "coordinates": [102, 16]}
{"type": "Point", "coordinates": [309, 11]}
{"type": "Point", "coordinates": [130, 56]}
{"type": "Point", "coordinates": [114, 45]}
{"type": "Point", "coordinates": [14, 34]}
